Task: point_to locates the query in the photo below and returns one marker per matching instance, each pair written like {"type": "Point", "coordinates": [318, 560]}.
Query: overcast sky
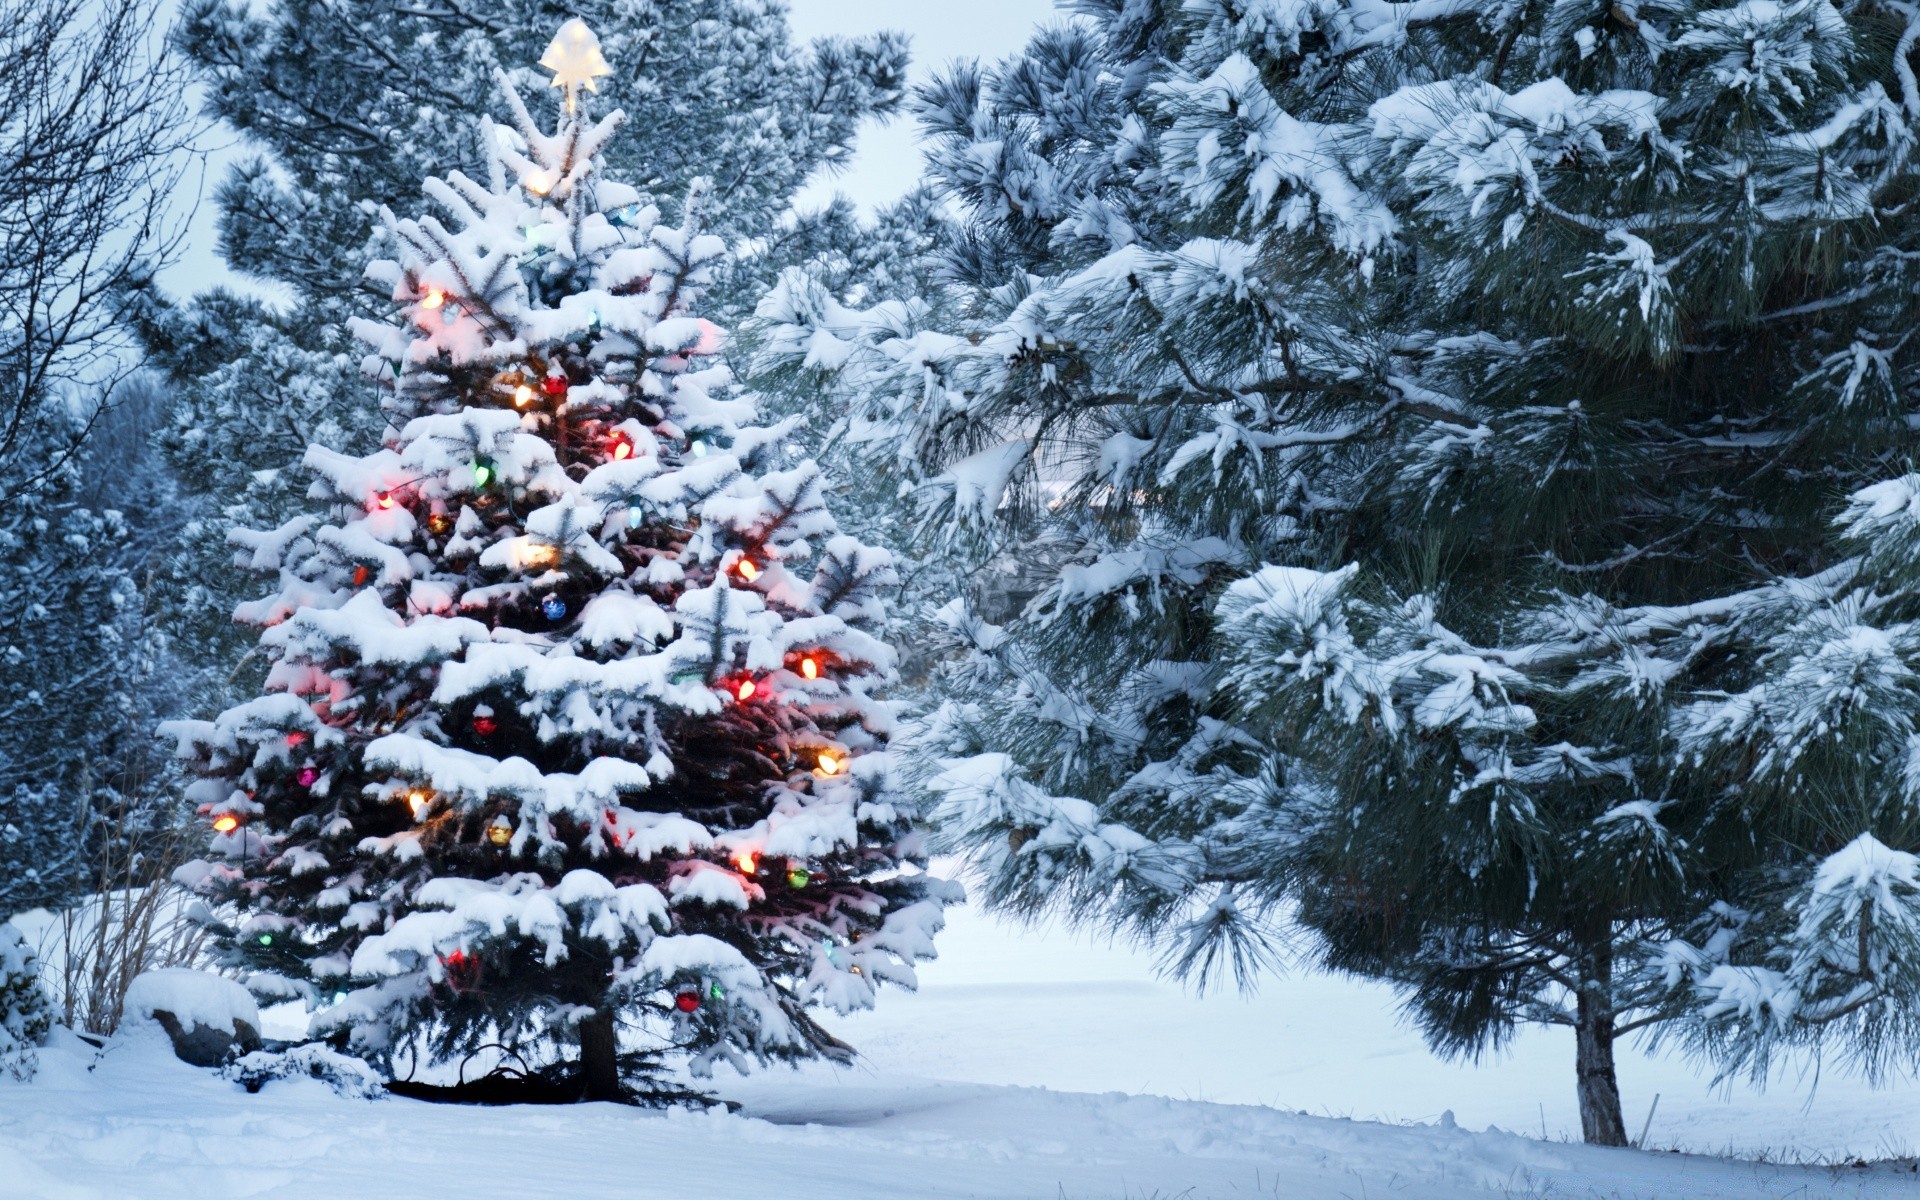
{"type": "Point", "coordinates": [886, 162]}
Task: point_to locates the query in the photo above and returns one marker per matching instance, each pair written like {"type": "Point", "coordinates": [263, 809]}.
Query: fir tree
{"type": "Point", "coordinates": [1399, 417]}
{"type": "Point", "coordinates": [560, 732]}
{"type": "Point", "coordinates": [344, 101]}
{"type": "Point", "coordinates": [80, 670]}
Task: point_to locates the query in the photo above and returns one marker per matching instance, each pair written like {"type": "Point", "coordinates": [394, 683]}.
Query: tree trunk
{"type": "Point", "coordinates": [600, 1057]}
{"type": "Point", "coordinates": [1601, 1122]}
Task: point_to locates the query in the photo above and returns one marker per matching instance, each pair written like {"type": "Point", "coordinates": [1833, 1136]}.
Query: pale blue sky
{"type": "Point", "coordinates": [886, 161]}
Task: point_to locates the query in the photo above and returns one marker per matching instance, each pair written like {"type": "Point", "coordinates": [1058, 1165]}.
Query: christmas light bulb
{"type": "Point", "coordinates": [482, 474]}
{"type": "Point", "coordinates": [748, 571]}
{"type": "Point", "coordinates": [383, 499]}
{"type": "Point", "coordinates": [747, 861]}
{"type": "Point", "coordinates": [621, 447]}
{"type": "Point", "coordinates": [537, 182]}
{"type": "Point", "coordinates": [226, 823]}
{"type": "Point", "coordinates": [829, 765]}
{"type": "Point", "coordinates": [699, 449]}
{"type": "Point", "coordinates": [421, 801]}
{"type": "Point", "coordinates": [297, 737]}
{"type": "Point", "coordinates": [746, 689]}
{"type": "Point", "coordinates": [433, 299]}
{"type": "Point", "coordinates": [634, 516]}
{"type": "Point", "coordinates": [523, 395]}
{"type": "Point", "coordinates": [266, 939]}
{"type": "Point", "coordinates": [809, 668]}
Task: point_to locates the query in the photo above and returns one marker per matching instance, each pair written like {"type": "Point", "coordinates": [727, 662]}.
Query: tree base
{"type": "Point", "coordinates": [558, 1087]}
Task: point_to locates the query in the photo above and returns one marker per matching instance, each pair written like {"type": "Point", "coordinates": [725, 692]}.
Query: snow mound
{"type": "Point", "coordinates": [194, 997]}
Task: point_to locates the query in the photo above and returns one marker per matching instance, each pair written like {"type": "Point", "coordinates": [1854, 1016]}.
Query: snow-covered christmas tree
{"type": "Point", "coordinates": [571, 723]}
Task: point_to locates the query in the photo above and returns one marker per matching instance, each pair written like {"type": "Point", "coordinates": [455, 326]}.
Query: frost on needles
{"type": "Point", "coordinates": [572, 731]}
{"type": "Point", "coordinates": [1408, 437]}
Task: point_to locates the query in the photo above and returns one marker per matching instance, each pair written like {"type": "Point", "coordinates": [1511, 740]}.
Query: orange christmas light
{"type": "Point", "coordinates": [810, 667]}
{"type": "Point", "coordinates": [226, 823]}
{"type": "Point", "coordinates": [747, 861]}
{"type": "Point", "coordinates": [830, 765]}
{"type": "Point", "coordinates": [747, 569]}
{"type": "Point", "coordinates": [523, 395]}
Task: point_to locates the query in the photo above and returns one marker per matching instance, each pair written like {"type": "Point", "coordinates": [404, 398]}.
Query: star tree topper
{"type": "Point", "coordinates": [574, 58]}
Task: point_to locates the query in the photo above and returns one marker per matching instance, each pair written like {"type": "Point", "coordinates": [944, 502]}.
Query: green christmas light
{"type": "Point", "coordinates": [266, 939]}
{"type": "Point", "coordinates": [716, 993]}
{"type": "Point", "coordinates": [482, 473]}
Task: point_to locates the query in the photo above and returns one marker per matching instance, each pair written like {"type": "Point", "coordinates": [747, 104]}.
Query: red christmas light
{"type": "Point", "coordinates": [297, 737]}
{"type": "Point", "coordinates": [383, 499]}
{"type": "Point", "coordinates": [620, 447]}
{"type": "Point", "coordinates": [746, 690]}
{"type": "Point", "coordinates": [361, 575]}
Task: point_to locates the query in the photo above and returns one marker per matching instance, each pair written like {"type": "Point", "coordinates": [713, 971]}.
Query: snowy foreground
{"type": "Point", "coordinates": [140, 1125]}
{"type": "Point", "coordinates": [1000, 1008]}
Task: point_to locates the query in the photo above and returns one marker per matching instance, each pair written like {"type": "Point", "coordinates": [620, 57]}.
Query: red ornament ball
{"type": "Point", "coordinates": [485, 726]}
{"type": "Point", "coordinates": [554, 385]}
{"type": "Point", "coordinates": [308, 777]}
{"type": "Point", "coordinates": [687, 1002]}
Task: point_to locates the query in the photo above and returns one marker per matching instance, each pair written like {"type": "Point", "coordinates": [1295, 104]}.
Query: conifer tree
{"type": "Point", "coordinates": [338, 102]}
{"type": "Point", "coordinates": [1418, 428]}
{"type": "Point", "coordinates": [571, 719]}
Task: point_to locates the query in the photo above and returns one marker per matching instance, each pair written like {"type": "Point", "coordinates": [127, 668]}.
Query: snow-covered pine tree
{"type": "Point", "coordinates": [1530, 345]}
{"type": "Point", "coordinates": [77, 658]}
{"type": "Point", "coordinates": [561, 733]}
{"type": "Point", "coordinates": [26, 1013]}
{"type": "Point", "coordinates": [343, 101]}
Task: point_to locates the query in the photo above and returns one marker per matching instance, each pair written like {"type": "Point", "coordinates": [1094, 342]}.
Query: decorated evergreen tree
{"type": "Point", "coordinates": [571, 719]}
{"type": "Point", "coordinates": [1396, 422]}
{"type": "Point", "coordinates": [339, 101]}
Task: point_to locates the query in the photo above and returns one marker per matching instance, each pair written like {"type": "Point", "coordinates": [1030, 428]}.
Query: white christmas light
{"type": "Point", "coordinates": [574, 58]}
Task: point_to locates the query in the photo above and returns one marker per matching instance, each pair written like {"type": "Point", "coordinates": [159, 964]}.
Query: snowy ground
{"type": "Point", "coordinates": [142, 1126]}
{"type": "Point", "coordinates": [1043, 1011]}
